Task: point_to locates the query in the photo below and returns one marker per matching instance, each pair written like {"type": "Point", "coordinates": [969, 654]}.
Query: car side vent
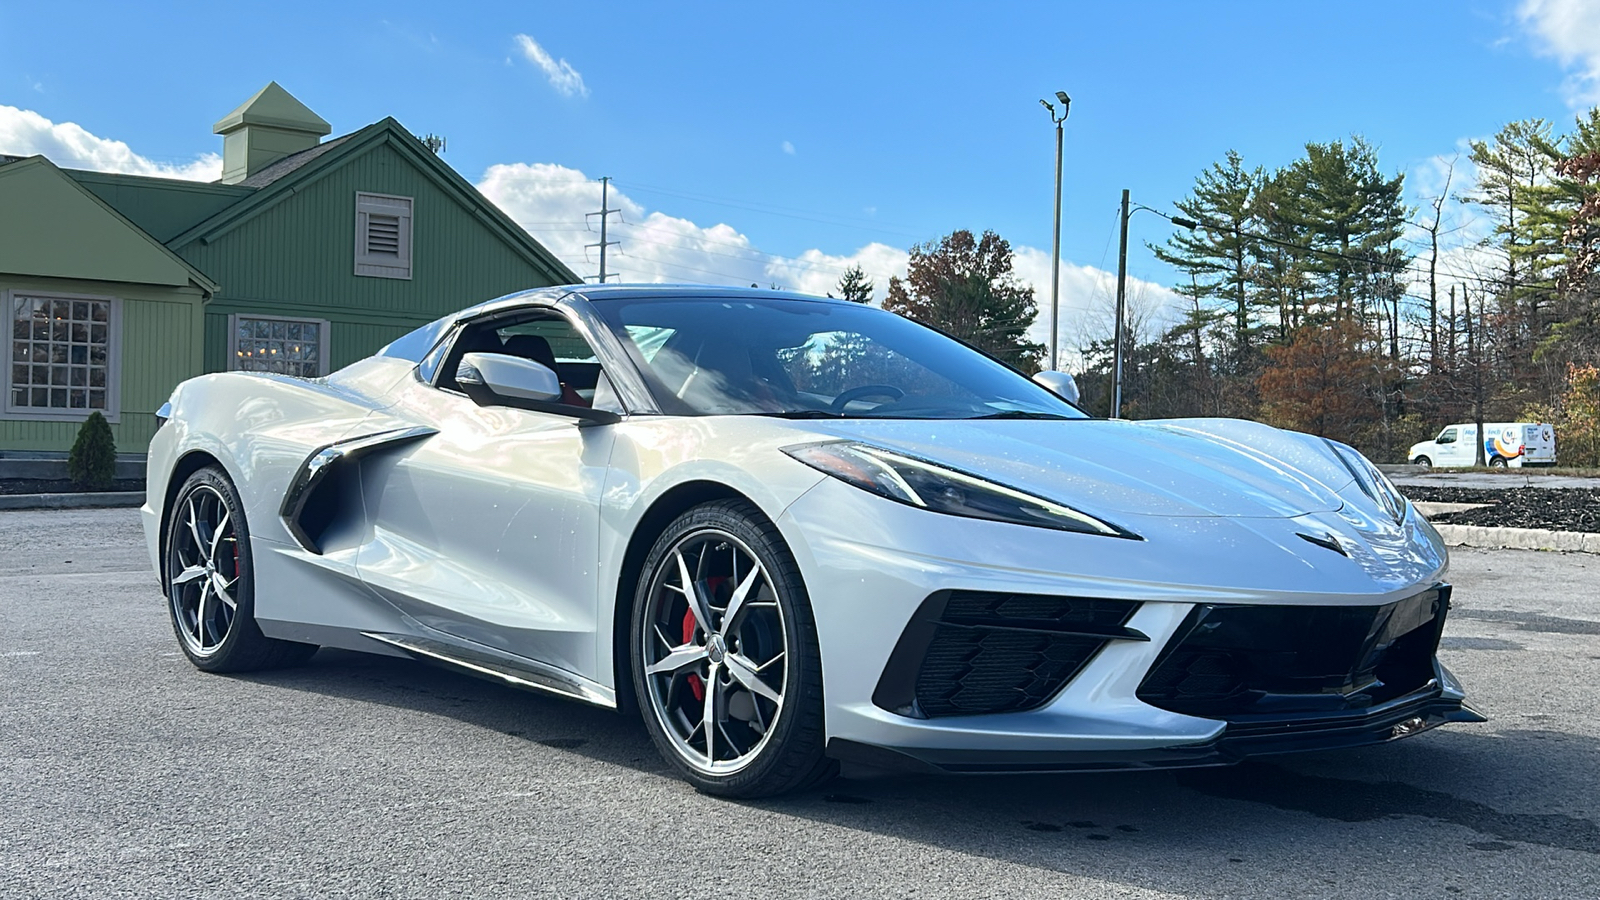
{"type": "Point", "coordinates": [977, 652]}
{"type": "Point", "coordinates": [323, 486]}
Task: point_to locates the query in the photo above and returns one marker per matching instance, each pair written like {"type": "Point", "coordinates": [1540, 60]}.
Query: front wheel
{"type": "Point", "coordinates": [1423, 461]}
{"type": "Point", "coordinates": [210, 581]}
{"type": "Point", "coordinates": [724, 655]}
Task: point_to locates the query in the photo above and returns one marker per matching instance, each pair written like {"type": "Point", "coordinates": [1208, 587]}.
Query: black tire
{"type": "Point", "coordinates": [791, 755]}
{"type": "Point", "coordinates": [1423, 461]}
{"type": "Point", "coordinates": [1498, 462]}
{"type": "Point", "coordinates": [212, 638]}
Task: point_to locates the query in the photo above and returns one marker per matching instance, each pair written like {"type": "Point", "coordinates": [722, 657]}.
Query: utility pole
{"type": "Point", "coordinates": [605, 215]}
{"type": "Point", "coordinates": [1055, 235]}
{"type": "Point", "coordinates": [1122, 294]}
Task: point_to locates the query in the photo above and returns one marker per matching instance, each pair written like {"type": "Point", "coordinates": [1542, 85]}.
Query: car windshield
{"type": "Point", "coordinates": [814, 358]}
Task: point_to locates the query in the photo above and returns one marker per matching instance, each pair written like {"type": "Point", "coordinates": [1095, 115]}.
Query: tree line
{"type": "Point", "coordinates": [1319, 300]}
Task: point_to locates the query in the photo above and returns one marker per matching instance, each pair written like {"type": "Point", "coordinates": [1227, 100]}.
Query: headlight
{"type": "Point", "coordinates": [941, 489]}
{"type": "Point", "coordinates": [1372, 482]}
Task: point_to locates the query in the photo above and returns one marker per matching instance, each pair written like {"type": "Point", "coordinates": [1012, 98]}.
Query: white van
{"type": "Point", "coordinates": [1513, 444]}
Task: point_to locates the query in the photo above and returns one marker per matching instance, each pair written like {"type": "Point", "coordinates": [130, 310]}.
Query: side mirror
{"type": "Point", "coordinates": [496, 379]}
{"type": "Point", "coordinates": [489, 376]}
{"type": "Point", "coordinates": [1061, 384]}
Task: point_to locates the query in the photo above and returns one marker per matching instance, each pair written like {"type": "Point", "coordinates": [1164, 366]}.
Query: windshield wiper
{"type": "Point", "coordinates": [802, 414]}
{"type": "Point", "coordinates": [1022, 414]}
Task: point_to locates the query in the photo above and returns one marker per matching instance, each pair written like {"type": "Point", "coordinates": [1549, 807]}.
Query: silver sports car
{"type": "Point", "coordinates": [789, 531]}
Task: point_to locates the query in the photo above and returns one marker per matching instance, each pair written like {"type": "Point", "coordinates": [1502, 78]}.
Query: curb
{"type": "Point", "coordinates": [1518, 538]}
{"type": "Point", "coordinates": [101, 500]}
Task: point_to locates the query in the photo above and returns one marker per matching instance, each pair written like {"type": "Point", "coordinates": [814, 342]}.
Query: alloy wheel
{"type": "Point", "coordinates": [715, 651]}
{"type": "Point", "coordinates": [203, 557]}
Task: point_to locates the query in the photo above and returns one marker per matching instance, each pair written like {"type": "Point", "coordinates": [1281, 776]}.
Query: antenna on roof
{"type": "Point", "coordinates": [433, 142]}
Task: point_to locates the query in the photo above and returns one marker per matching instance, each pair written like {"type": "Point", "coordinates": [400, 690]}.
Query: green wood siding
{"type": "Point", "coordinates": [298, 258]}
{"type": "Point", "coordinates": [160, 347]}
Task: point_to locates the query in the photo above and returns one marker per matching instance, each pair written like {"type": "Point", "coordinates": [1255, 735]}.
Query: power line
{"type": "Point", "coordinates": [765, 209]}
{"type": "Point", "coordinates": [760, 255]}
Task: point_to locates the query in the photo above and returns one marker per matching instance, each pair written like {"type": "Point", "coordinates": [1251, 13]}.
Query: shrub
{"type": "Point", "coordinates": [92, 465]}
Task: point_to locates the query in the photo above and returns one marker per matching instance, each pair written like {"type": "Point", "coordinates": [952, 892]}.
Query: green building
{"type": "Point", "coordinates": [308, 255]}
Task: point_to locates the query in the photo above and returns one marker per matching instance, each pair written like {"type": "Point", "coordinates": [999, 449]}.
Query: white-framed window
{"type": "Point", "coordinates": [383, 235]}
{"type": "Point", "coordinates": [63, 356]}
{"type": "Point", "coordinates": [278, 344]}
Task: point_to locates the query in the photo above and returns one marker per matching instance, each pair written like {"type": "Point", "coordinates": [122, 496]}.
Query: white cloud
{"type": "Point", "coordinates": [1570, 31]}
{"type": "Point", "coordinates": [24, 132]}
{"type": "Point", "coordinates": [552, 202]}
{"type": "Point", "coordinates": [563, 77]}
{"type": "Point", "coordinates": [788, 148]}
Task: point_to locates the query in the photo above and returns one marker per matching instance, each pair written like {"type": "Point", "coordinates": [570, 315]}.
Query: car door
{"type": "Point", "coordinates": [1447, 447]}
{"type": "Point", "coordinates": [488, 531]}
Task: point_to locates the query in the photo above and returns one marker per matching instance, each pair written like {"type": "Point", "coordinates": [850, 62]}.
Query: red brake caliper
{"type": "Point", "coordinates": [697, 686]}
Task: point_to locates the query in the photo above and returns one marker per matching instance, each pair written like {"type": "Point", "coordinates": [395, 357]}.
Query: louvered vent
{"type": "Point", "coordinates": [383, 235]}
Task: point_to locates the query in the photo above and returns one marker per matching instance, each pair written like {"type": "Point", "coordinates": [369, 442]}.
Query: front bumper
{"type": "Point", "coordinates": [1398, 719]}
{"type": "Point", "coordinates": [871, 564]}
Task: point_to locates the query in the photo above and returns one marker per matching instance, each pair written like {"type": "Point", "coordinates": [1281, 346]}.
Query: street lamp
{"type": "Point", "coordinates": [1122, 291]}
{"type": "Point", "coordinates": [1055, 237]}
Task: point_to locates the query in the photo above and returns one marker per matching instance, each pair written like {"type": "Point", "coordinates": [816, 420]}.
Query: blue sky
{"type": "Point", "coordinates": [779, 142]}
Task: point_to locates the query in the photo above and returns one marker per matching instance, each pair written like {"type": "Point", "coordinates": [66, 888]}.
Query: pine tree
{"type": "Point", "coordinates": [855, 286]}
{"type": "Point", "coordinates": [92, 464]}
{"type": "Point", "coordinates": [965, 286]}
{"type": "Point", "coordinates": [1217, 257]}
{"type": "Point", "coordinates": [1352, 213]}
{"type": "Point", "coordinates": [1510, 168]}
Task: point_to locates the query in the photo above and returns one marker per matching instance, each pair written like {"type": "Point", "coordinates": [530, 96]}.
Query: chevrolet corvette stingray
{"type": "Point", "coordinates": [789, 531]}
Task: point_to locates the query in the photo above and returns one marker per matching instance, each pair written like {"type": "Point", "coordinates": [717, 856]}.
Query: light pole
{"type": "Point", "coordinates": [1122, 293]}
{"type": "Point", "coordinates": [1055, 236]}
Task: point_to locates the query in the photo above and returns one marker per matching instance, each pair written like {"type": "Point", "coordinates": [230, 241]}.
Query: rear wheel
{"type": "Point", "coordinates": [210, 581]}
{"type": "Point", "coordinates": [1423, 461]}
{"type": "Point", "coordinates": [725, 658]}
{"type": "Point", "coordinates": [1497, 462]}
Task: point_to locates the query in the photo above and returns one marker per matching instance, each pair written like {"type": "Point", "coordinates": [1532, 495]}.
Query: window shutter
{"type": "Point", "coordinates": [383, 236]}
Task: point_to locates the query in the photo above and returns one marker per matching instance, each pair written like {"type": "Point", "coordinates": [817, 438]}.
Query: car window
{"type": "Point", "coordinates": [543, 337]}
{"type": "Point", "coordinates": [649, 339]}
{"type": "Point", "coordinates": [429, 367]}
{"type": "Point", "coordinates": [810, 358]}
{"type": "Point", "coordinates": [1447, 436]}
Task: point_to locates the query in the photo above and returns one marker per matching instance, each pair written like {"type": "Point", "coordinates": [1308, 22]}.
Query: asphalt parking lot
{"type": "Point", "coordinates": [128, 773]}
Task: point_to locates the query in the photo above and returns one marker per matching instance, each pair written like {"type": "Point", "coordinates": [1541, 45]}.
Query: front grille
{"type": "Point", "coordinates": [1250, 661]}
{"type": "Point", "coordinates": [972, 652]}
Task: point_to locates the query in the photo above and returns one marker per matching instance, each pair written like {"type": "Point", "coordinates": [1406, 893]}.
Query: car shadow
{"type": "Point", "coordinates": [1182, 831]}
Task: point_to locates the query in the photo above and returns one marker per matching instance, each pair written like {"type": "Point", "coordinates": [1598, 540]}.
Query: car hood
{"type": "Point", "coordinates": [1191, 467]}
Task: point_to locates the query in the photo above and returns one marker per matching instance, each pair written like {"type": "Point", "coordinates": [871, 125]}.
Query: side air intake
{"type": "Point", "coordinates": [322, 486]}
{"type": "Point", "coordinates": [974, 652]}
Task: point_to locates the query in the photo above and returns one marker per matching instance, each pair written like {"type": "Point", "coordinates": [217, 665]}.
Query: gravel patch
{"type": "Point", "coordinates": [1575, 509]}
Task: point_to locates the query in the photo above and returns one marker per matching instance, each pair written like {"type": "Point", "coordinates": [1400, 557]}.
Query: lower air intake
{"type": "Point", "coordinates": [1237, 662]}
{"type": "Point", "coordinates": [974, 653]}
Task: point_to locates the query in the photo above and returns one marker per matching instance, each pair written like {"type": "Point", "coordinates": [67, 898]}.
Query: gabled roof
{"type": "Point", "coordinates": [280, 180]}
{"type": "Point", "coordinates": [50, 246]}
{"type": "Point", "coordinates": [163, 207]}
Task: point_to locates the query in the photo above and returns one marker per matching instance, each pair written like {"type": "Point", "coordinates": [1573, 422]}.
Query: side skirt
{"type": "Point", "coordinates": [515, 671]}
